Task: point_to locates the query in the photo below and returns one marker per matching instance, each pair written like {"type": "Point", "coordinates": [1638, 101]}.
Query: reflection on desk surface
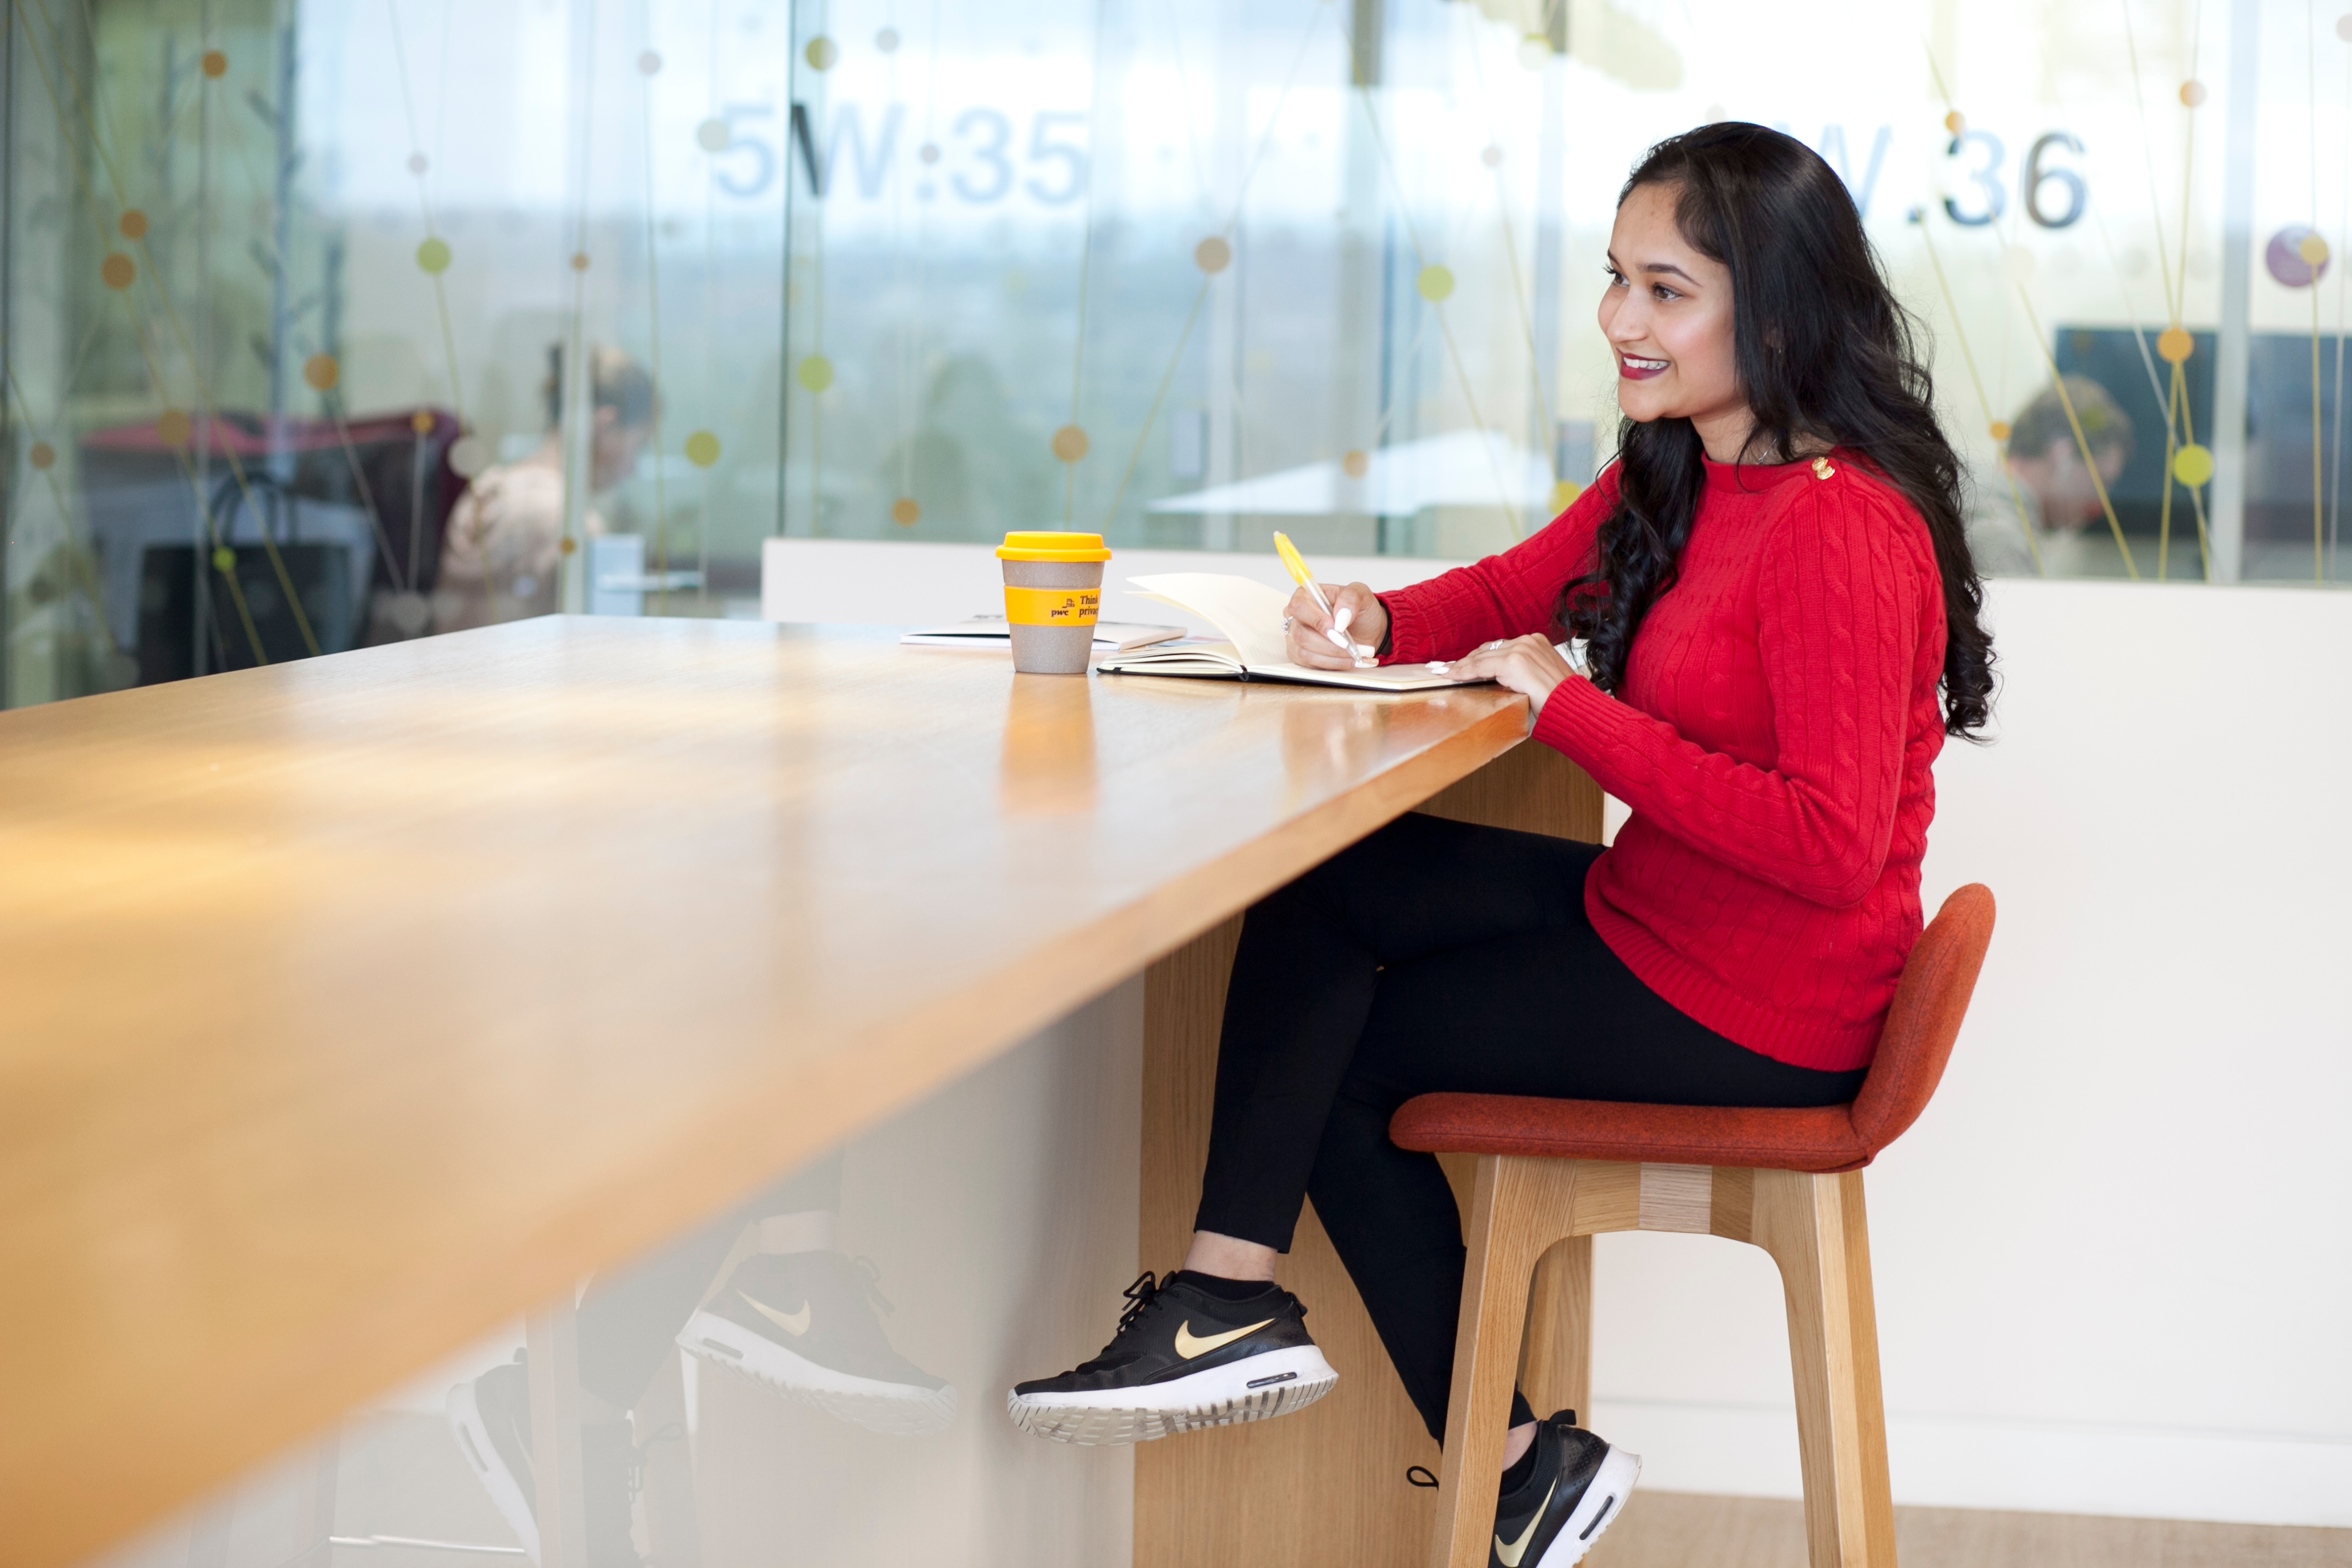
{"type": "Point", "coordinates": [407, 919]}
{"type": "Point", "coordinates": [816, 1375]}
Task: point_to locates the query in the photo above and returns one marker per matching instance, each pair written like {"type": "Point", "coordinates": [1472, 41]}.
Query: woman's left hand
{"type": "Point", "coordinates": [1529, 666]}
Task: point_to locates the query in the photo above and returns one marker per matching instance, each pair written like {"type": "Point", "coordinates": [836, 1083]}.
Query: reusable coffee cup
{"type": "Point", "coordinates": [1053, 596]}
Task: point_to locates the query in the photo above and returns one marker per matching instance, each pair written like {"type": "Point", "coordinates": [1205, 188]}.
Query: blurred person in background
{"type": "Point", "coordinates": [501, 558]}
{"type": "Point", "coordinates": [2053, 485]}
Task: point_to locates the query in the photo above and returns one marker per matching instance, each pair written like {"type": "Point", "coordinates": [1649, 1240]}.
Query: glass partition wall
{"type": "Point", "coordinates": [329, 324]}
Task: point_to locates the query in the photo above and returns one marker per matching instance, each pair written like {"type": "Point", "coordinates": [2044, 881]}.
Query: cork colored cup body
{"type": "Point", "coordinates": [1052, 596]}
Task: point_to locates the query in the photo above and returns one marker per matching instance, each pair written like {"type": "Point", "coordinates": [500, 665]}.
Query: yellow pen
{"type": "Point", "coordinates": [1295, 564]}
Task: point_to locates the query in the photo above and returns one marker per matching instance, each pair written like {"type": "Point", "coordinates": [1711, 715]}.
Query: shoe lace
{"type": "Point", "coordinates": [1141, 1294]}
{"type": "Point", "coordinates": [673, 1432]}
{"type": "Point", "coordinates": [869, 1275]}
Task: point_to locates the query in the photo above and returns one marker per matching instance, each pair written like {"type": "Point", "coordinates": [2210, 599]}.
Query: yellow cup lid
{"type": "Point", "coordinates": [1042, 546]}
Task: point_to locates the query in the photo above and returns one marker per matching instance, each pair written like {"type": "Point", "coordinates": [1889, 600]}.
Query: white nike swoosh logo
{"type": "Point", "coordinates": [795, 1325]}
{"type": "Point", "coordinates": [1188, 1345]}
{"type": "Point", "coordinates": [1510, 1551]}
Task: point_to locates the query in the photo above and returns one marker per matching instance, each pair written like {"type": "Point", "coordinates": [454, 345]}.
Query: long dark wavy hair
{"type": "Point", "coordinates": [1824, 353]}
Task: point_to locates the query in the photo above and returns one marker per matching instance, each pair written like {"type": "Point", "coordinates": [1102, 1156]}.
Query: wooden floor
{"type": "Point", "coordinates": [1680, 1530]}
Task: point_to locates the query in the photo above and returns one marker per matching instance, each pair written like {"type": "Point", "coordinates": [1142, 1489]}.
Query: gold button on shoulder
{"type": "Point", "coordinates": [1822, 469]}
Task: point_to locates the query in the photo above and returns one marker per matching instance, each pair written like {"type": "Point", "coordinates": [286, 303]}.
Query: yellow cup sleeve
{"type": "Point", "coordinates": [1051, 607]}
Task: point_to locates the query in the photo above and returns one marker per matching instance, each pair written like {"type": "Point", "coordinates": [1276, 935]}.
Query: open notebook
{"type": "Point", "coordinates": [1250, 614]}
{"type": "Point", "coordinates": [993, 631]}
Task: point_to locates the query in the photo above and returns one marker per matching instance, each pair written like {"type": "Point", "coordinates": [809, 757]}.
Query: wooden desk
{"type": "Point", "coordinates": [325, 989]}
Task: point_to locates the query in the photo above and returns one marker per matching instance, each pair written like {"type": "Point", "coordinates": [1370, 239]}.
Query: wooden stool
{"type": "Point", "coordinates": [1553, 1173]}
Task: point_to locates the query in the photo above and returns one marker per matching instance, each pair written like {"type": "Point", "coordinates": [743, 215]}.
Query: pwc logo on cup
{"type": "Point", "coordinates": [1053, 593]}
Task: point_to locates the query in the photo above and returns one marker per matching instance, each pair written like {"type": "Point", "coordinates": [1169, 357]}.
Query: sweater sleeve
{"type": "Point", "coordinates": [1503, 595]}
{"type": "Point", "coordinates": [1840, 606]}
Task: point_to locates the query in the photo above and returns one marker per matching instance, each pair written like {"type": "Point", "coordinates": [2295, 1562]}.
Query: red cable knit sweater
{"type": "Point", "coordinates": [1774, 739]}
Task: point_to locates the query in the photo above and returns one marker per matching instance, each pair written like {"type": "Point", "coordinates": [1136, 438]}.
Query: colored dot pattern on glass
{"type": "Point", "coordinates": [319, 373]}
{"type": "Point", "coordinates": [132, 224]}
{"type": "Point", "coordinates": [1999, 430]}
{"type": "Point", "coordinates": [433, 256]}
{"type": "Point", "coordinates": [906, 511]}
{"type": "Point", "coordinates": [1956, 122]}
{"type": "Point", "coordinates": [215, 64]}
{"type": "Point", "coordinates": [118, 271]}
{"type": "Point", "coordinates": [224, 561]}
{"type": "Point", "coordinates": [815, 372]}
{"type": "Point", "coordinates": [42, 455]}
{"type": "Point", "coordinates": [2192, 94]}
{"type": "Point", "coordinates": [2295, 256]}
{"type": "Point", "coordinates": [1435, 283]}
{"type": "Point", "coordinates": [1213, 255]}
{"type": "Point", "coordinates": [2192, 466]}
{"type": "Point", "coordinates": [1355, 464]}
{"type": "Point", "coordinates": [421, 422]}
{"type": "Point", "coordinates": [469, 455]}
{"type": "Point", "coordinates": [2174, 345]}
{"type": "Point", "coordinates": [821, 53]}
{"type": "Point", "coordinates": [702, 448]}
{"type": "Point", "coordinates": [1070, 443]}
{"type": "Point", "coordinates": [713, 136]}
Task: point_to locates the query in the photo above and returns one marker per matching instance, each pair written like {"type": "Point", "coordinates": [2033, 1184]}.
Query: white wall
{"type": "Point", "coordinates": [2114, 1259]}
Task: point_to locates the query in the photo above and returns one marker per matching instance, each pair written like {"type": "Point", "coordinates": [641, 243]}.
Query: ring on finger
{"type": "Point", "coordinates": [1286, 625]}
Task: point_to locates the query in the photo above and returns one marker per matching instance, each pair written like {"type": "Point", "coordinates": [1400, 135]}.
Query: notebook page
{"type": "Point", "coordinates": [1248, 613]}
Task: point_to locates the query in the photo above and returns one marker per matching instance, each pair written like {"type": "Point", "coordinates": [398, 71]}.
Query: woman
{"type": "Point", "coordinates": [501, 558]}
{"type": "Point", "coordinates": [1774, 589]}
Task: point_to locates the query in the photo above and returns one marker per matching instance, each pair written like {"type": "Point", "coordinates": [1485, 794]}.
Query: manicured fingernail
{"type": "Point", "coordinates": [1438, 666]}
{"type": "Point", "coordinates": [1340, 622]}
{"type": "Point", "coordinates": [1338, 639]}
{"type": "Point", "coordinates": [1365, 650]}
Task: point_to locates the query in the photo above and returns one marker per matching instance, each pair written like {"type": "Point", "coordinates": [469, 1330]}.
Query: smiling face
{"type": "Point", "coordinates": [1667, 315]}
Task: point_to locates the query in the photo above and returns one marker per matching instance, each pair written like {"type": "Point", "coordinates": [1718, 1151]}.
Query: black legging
{"type": "Point", "coordinates": [1433, 955]}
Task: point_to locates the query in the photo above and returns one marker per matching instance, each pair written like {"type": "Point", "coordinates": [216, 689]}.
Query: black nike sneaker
{"type": "Point", "coordinates": [1182, 1359]}
{"type": "Point", "coordinates": [490, 1418]}
{"type": "Point", "coordinates": [1579, 1487]}
{"type": "Point", "coordinates": [803, 1325]}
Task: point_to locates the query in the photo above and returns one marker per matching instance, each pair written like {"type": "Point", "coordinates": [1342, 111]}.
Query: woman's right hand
{"type": "Point", "coordinates": [1361, 619]}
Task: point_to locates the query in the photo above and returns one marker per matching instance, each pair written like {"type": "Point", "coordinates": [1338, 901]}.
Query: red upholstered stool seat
{"type": "Point", "coordinates": [1912, 1051]}
{"type": "Point", "coordinates": [1554, 1172]}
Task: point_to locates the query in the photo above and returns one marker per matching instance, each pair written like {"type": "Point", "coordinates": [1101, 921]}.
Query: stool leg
{"type": "Point", "coordinates": [1520, 1207]}
{"type": "Point", "coordinates": [671, 1515]}
{"type": "Point", "coordinates": [1556, 1367]}
{"type": "Point", "coordinates": [553, 1336]}
{"type": "Point", "coordinates": [1815, 1229]}
{"type": "Point", "coordinates": [326, 1474]}
{"type": "Point", "coordinates": [208, 1533]}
